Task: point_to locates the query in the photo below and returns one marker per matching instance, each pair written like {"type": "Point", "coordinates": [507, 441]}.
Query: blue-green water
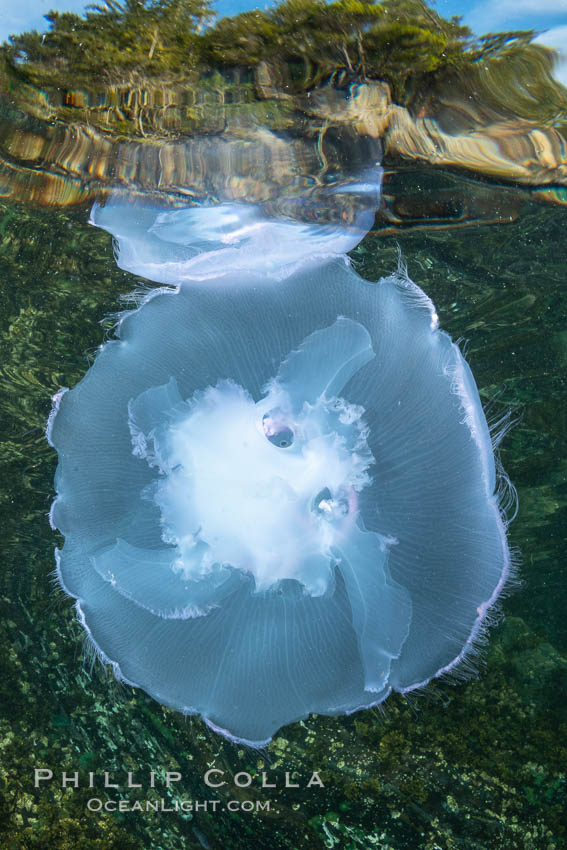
{"type": "Point", "coordinates": [477, 764]}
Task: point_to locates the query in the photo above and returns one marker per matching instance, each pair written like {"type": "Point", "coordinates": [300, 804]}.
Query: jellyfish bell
{"type": "Point", "coordinates": [277, 499]}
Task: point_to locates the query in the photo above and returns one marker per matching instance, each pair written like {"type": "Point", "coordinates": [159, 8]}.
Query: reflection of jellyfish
{"type": "Point", "coordinates": [174, 246]}
{"type": "Point", "coordinates": [277, 499]}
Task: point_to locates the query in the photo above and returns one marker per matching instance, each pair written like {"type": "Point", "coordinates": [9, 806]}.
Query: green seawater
{"type": "Point", "coordinates": [471, 765]}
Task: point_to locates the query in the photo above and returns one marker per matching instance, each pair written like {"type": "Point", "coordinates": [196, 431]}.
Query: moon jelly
{"type": "Point", "coordinates": [280, 497]}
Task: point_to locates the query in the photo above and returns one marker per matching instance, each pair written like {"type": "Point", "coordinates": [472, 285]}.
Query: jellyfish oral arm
{"type": "Point", "coordinates": [381, 609]}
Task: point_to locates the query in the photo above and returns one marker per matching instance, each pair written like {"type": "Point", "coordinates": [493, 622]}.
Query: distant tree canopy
{"type": "Point", "coordinates": [305, 43]}
{"type": "Point", "coordinates": [361, 38]}
{"type": "Point", "coordinates": [150, 36]}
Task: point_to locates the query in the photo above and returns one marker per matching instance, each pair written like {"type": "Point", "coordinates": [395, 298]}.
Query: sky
{"type": "Point", "coordinates": [549, 16]}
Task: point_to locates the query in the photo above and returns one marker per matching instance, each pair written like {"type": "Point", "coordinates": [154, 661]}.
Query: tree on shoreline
{"type": "Point", "coordinates": [157, 37]}
{"type": "Point", "coordinates": [305, 43]}
{"type": "Point", "coordinates": [150, 36]}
